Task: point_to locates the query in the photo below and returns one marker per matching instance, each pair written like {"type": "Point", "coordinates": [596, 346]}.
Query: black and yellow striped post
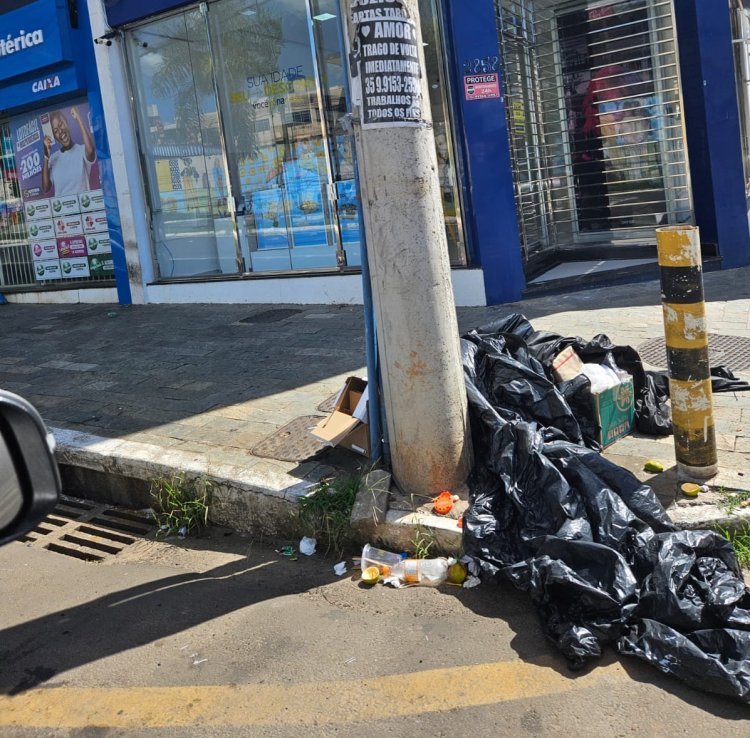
{"type": "Point", "coordinates": [686, 335]}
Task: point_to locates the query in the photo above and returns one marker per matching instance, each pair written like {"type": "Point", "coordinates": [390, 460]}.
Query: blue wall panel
{"type": "Point", "coordinates": [713, 129]}
{"type": "Point", "coordinates": [490, 209]}
{"type": "Point", "coordinates": [88, 61]}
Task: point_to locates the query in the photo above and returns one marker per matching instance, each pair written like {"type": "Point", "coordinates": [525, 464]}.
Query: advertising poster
{"type": "Point", "coordinates": [60, 185]}
{"type": "Point", "coordinates": [386, 61]}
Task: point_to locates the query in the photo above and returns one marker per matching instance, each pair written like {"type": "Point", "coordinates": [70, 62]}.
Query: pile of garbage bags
{"type": "Point", "coordinates": [590, 543]}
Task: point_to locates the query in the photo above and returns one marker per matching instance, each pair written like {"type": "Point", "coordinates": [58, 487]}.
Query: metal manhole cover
{"type": "Point", "coordinates": [88, 531]}
{"type": "Point", "coordinates": [732, 351]}
{"type": "Point", "coordinates": [329, 403]}
{"type": "Point", "coordinates": [271, 316]}
{"type": "Point", "coordinates": [292, 442]}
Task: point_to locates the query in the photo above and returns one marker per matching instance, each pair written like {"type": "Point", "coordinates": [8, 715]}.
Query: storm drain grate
{"type": "Point", "coordinates": [732, 351]}
{"type": "Point", "coordinates": [271, 316]}
{"type": "Point", "coordinates": [292, 442]}
{"type": "Point", "coordinates": [88, 531]}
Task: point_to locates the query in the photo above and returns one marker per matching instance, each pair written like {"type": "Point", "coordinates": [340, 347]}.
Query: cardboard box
{"type": "Point", "coordinates": [615, 411]}
{"type": "Point", "coordinates": [347, 425]}
{"type": "Point", "coordinates": [566, 365]}
{"type": "Point", "coordinates": [67, 205]}
{"type": "Point", "coordinates": [69, 225]}
{"type": "Point", "coordinates": [38, 210]}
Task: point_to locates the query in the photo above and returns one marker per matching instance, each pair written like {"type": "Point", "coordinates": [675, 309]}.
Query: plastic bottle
{"type": "Point", "coordinates": [427, 572]}
{"type": "Point", "coordinates": [383, 560]}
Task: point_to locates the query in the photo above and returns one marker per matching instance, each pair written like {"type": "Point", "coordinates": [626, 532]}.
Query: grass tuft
{"type": "Point", "coordinates": [326, 512]}
{"type": "Point", "coordinates": [740, 540]}
{"type": "Point", "coordinates": [180, 507]}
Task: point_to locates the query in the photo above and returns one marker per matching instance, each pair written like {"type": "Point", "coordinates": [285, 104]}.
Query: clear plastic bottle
{"type": "Point", "coordinates": [383, 560]}
{"type": "Point", "coordinates": [427, 572]}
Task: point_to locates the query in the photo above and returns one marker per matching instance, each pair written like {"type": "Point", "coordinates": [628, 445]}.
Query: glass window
{"type": "Point", "coordinates": [249, 165]}
{"type": "Point", "coordinates": [182, 147]}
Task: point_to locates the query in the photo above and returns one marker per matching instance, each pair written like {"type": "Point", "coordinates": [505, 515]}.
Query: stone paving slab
{"type": "Point", "coordinates": [156, 387]}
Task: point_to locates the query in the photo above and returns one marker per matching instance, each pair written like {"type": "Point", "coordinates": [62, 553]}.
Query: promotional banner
{"type": "Point", "coordinates": [60, 185]}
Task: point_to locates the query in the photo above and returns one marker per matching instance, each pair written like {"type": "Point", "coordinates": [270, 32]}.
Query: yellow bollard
{"type": "Point", "coordinates": [686, 336]}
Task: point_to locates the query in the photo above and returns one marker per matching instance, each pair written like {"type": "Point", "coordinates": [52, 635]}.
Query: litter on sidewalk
{"type": "Point", "coordinates": [590, 543]}
{"type": "Point", "coordinates": [347, 424]}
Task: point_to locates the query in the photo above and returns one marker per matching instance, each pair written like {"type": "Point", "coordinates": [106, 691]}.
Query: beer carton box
{"type": "Point", "coordinates": [98, 243]}
{"type": "Point", "coordinates": [69, 225]}
{"type": "Point", "coordinates": [75, 268]}
{"type": "Point", "coordinates": [91, 200]}
{"type": "Point", "coordinates": [615, 410]}
{"type": "Point", "coordinates": [41, 230]}
{"type": "Point", "coordinates": [67, 205]}
{"type": "Point", "coordinates": [101, 266]}
{"type": "Point", "coordinates": [49, 269]}
{"type": "Point", "coordinates": [43, 250]}
{"type": "Point", "coordinates": [71, 247]}
{"type": "Point", "coordinates": [95, 221]}
{"type": "Point", "coordinates": [38, 210]}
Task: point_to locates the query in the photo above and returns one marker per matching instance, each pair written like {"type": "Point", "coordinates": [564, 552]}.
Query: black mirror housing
{"type": "Point", "coordinates": [29, 478]}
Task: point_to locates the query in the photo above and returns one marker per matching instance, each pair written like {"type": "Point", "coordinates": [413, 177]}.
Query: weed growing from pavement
{"type": "Point", "coordinates": [326, 512]}
{"type": "Point", "coordinates": [423, 539]}
{"type": "Point", "coordinates": [731, 501]}
{"type": "Point", "coordinates": [740, 541]}
{"type": "Point", "coordinates": [422, 542]}
{"type": "Point", "coordinates": [180, 506]}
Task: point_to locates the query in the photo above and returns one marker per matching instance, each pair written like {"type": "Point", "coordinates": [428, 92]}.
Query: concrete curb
{"type": "Point", "coordinates": [261, 499]}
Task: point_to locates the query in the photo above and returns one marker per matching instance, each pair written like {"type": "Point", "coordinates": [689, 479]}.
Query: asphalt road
{"type": "Point", "coordinates": [223, 636]}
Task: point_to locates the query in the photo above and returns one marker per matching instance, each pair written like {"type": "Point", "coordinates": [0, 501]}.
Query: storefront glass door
{"type": "Point", "coordinates": [182, 146]}
{"type": "Point", "coordinates": [245, 174]}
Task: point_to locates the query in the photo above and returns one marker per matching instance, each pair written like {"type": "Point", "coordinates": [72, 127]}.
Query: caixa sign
{"type": "Point", "coordinates": [34, 36]}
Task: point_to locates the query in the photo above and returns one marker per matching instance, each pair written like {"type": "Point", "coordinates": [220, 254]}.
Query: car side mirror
{"type": "Point", "coordinates": [29, 477]}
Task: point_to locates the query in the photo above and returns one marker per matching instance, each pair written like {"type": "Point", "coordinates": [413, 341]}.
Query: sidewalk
{"type": "Point", "coordinates": [136, 392]}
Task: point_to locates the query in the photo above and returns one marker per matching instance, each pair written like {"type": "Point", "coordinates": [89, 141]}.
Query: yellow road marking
{"type": "Point", "coordinates": [334, 702]}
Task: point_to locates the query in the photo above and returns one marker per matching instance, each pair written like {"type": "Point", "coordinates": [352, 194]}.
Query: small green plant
{"type": "Point", "coordinates": [740, 540]}
{"type": "Point", "coordinates": [423, 539]}
{"type": "Point", "coordinates": [731, 501]}
{"type": "Point", "coordinates": [422, 542]}
{"type": "Point", "coordinates": [181, 506]}
{"type": "Point", "coordinates": [325, 513]}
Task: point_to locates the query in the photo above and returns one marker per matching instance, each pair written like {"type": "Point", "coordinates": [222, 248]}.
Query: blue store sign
{"type": "Point", "coordinates": [39, 87]}
{"type": "Point", "coordinates": [33, 37]}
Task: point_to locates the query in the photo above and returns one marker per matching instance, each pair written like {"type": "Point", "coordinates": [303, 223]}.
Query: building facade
{"type": "Point", "coordinates": [59, 225]}
{"type": "Point", "coordinates": [566, 132]}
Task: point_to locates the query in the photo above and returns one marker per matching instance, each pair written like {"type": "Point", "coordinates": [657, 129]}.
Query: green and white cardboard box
{"type": "Point", "coordinates": [615, 411]}
{"type": "Point", "coordinates": [98, 243]}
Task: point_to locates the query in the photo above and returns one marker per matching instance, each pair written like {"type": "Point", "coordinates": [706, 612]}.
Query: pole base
{"type": "Point", "coordinates": [688, 473]}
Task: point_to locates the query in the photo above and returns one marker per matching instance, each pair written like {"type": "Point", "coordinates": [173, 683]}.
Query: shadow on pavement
{"type": "Point", "coordinates": [35, 651]}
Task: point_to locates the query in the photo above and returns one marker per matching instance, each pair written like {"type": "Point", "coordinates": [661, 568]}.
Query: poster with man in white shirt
{"type": "Point", "coordinates": [60, 183]}
{"type": "Point", "coordinates": [66, 169]}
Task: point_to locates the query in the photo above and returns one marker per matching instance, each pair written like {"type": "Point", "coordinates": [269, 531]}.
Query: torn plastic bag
{"type": "Point", "coordinates": [723, 380]}
{"type": "Point", "coordinates": [716, 660]}
{"type": "Point", "coordinates": [584, 591]}
{"type": "Point", "coordinates": [518, 389]}
{"type": "Point", "coordinates": [690, 580]}
{"type": "Point", "coordinates": [585, 538]}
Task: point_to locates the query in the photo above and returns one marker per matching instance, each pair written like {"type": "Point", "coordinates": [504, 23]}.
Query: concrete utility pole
{"type": "Point", "coordinates": [423, 385]}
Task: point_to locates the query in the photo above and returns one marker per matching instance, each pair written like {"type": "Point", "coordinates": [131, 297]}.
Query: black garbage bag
{"type": "Point", "coordinates": [590, 543]}
{"type": "Point", "coordinates": [715, 660]}
{"type": "Point", "coordinates": [652, 414]}
{"type": "Point", "coordinates": [724, 380]}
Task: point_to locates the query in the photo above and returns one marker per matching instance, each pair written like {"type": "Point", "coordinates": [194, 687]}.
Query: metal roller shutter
{"type": "Point", "coordinates": [597, 143]}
